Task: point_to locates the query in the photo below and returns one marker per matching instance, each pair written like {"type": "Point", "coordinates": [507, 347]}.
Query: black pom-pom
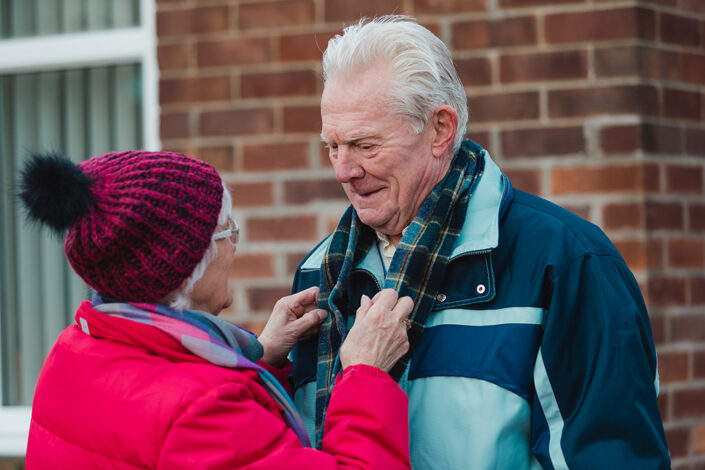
{"type": "Point", "coordinates": [55, 191]}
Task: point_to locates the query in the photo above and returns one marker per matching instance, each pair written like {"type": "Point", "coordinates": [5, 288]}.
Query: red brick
{"type": "Point", "coordinates": [684, 253]}
{"type": "Point", "coordinates": [282, 228]}
{"type": "Point", "coordinates": [515, 31]}
{"type": "Point", "coordinates": [233, 52]}
{"type": "Point", "coordinates": [562, 65]}
{"type": "Point", "coordinates": [617, 61]}
{"type": "Point", "coordinates": [482, 138]}
{"type": "Point", "coordinates": [692, 68]}
{"type": "Point", "coordinates": [620, 139]}
{"type": "Point", "coordinates": [608, 179]}
{"type": "Point", "coordinates": [276, 14]}
{"type": "Point", "coordinates": [696, 216]}
{"type": "Point", "coordinates": [666, 292]}
{"type": "Point", "coordinates": [600, 25]}
{"type": "Point", "coordinates": [695, 141]}
{"type": "Point", "coordinates": [437, 7]}
{"type": "Point", "coordinates": [193, 90]}
{"type": "Point", "coordinates": [696, 6]}
{"type": "Point", "coordinates": [475, 71]}
{"type": "Point", "coordinates": [298, 47]}
{"type": "Point", "coordinates": [680, 104]}
{"type": "Point", "coordinates": [689, 403]}
{"type": "Point", "coordinates": [664, 215]}
{"type": "Point", "coordinates": [658, 329]}
{"type": "Point", "coordinates": [252, 265]}
{"type": "Point", "coordinates": [673, 367]}
{"type": "Point", "coordinates": [688, 328]}
{"type": "Point", "coordinates": [699, 439]}
{"type": "Point", "coordinates": [679, 29]}
{"type": "Point", "coordinates": [678, 441]}
{"type": "Point", "coordinates": [542, 141]}
{"type": "Point", "coordinates": [633, 252]}
{"type": "Point", "coordinates": [526, 180]}
{"type": "Point", "coordinates": [684, 179]}
{"type": "Point", "coordinates": [505, 32]}
{"type": "Point", "coordinates": [626, 99]}
{"type": "Point", "coordinates": [471, 35]}
{"type": "Point", "coordinates": [192, 20]}
{"type": "Point", "coordinates": [527, 3]}
{"type": "Point", "coordinates": [656, 63]}
{"type": "Point", "coordinates": [302, 119]}
{"type": "Point", "coordinates": [664, 400]}
{"type": "Point", "coordinates": [236, 122]}
{"type": "Point", "coordinates": [350, 12]}
{"type": "Point", "coordinates": [221, 158]}
{"type": "Point", "coordinates": [656, 253]}
{"type": "Point", "coordinates": [305, 191]}
{"type": "Point", "coordinates": [174, 126]}
{"type": "Point", "coordinates": [264, 298]}
{"type": "Point", "coordinates": [289, 83]}
{"type": "Point", "coordinates": [504, 107]}
{"type": "Point", "coordinates": [699, 364]}
{"type": "Point", "coordinates": [273, 157]}
{"type": "Point", "coordinates": [293, 260]}
{"type": "Point", "coordinates": [174, 56]}
{"type": "Point", "coordinates": [657, 138]}
{"type": "Point", "coordinates": [251, 194]}
{"type": "Point", "coordinates": [618, 216]}
{"type": "Point", "coordinates": [697, 291]}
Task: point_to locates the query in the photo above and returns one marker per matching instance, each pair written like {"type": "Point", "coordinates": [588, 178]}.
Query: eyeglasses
{"type": "Point", "coordinates": [232, 232]}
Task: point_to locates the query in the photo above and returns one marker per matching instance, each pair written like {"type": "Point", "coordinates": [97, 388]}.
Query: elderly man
{"type": "Point", "coordinates": [530, 343]}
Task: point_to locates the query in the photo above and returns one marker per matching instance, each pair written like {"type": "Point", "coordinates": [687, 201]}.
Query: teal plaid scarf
{"type": "Point", "coordinates": [416, 270]}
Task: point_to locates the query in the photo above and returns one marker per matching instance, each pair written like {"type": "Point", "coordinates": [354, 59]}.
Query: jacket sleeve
{"type": "Point", "coordinates": [595, 375]}
{"type": "Point", "coordinates": [229, 428]}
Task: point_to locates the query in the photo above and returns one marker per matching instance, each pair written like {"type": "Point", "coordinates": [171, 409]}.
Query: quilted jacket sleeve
{"type": "Point", "coordinates": [595, 375]}
{"type": "Point", "coordinates": [232, 426]}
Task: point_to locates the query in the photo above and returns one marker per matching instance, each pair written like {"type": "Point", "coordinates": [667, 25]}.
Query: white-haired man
{"type": "Point", "coordinates": [530, 343]}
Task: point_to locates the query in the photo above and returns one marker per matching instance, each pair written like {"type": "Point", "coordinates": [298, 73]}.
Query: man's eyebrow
{"type": "Point", "coordinates": [350, 140]}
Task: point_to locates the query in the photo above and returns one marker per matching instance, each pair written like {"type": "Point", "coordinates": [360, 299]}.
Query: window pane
{"type": "Point", "coordinates": [80, 113]}
{"type": "Point", "coordinates": [22, 18]}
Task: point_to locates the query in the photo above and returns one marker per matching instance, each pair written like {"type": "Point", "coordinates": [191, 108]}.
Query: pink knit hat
{"type": "Point", "coordinates": [138, 222]}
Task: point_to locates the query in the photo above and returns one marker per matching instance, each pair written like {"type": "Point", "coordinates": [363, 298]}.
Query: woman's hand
{"type": "Point", "coordinates": [378, 338]}
{"type": "Point", "coordinates": [295, 317]}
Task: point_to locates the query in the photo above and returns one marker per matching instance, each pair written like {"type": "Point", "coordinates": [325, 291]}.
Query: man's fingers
{"type": "Point", "coordinates": [310, 319]}
{"type": "Point", "coordinates": [403, 307]}
{"type": "Point", "coordinates": [301, 302]}
{"type": "Point", "coordinates": [385, 300]}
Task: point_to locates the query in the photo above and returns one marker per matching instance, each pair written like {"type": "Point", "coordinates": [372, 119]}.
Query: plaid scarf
{"type": "Point", "coordinates": [416, 270]}
{"type": "Point", "coordinates": [211, 338]}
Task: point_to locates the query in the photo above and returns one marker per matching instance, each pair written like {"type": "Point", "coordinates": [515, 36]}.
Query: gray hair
{"type": "Point", "coordinates": [422, 67]}
{"type": "Point", "coordinates": [180, 299]}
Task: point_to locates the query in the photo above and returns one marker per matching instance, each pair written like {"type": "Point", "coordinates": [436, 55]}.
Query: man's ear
{"type": "Point", "coordinates": [445, 122]}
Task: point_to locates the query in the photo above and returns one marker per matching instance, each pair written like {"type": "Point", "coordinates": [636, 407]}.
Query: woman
{"type": "Point", "coordinates": [149, 376]}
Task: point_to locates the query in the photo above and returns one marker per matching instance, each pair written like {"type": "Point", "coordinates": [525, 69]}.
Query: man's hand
{"type": "Point", "coordinates": [378, 338]}
{"type": "Point", "coordinates": [295, 317]}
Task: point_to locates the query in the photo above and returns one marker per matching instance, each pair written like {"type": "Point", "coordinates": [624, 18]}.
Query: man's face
{"type": "Point", "coordinates": [385, 168]}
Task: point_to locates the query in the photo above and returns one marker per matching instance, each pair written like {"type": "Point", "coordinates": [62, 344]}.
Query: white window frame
{"type": "Point", "coordinates": [83, 49]}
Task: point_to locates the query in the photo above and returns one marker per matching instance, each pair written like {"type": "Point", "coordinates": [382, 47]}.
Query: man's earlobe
{"type": "Point", "coordinates": [445, 123]}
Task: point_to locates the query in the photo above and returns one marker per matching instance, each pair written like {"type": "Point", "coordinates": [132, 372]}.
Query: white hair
{"type": "Point", "coordinates": [180, 299]}
{"type": "Point", "coordinates": [424, 76]}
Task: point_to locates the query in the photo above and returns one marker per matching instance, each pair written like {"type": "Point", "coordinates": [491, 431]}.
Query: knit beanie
{"type": "Point", "coordinates": [137, 222]}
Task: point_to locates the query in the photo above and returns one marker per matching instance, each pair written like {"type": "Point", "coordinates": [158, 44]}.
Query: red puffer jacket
{"type": "Point", "coordinates": [131, 397]}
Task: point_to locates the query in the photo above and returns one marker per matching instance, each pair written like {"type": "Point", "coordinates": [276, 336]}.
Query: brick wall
{"type": "Point", "coordinates": [596, 105]}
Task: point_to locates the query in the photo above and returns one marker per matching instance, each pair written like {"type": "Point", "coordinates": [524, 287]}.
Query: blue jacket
{"type": "Point", "coordinates": [539, 353]}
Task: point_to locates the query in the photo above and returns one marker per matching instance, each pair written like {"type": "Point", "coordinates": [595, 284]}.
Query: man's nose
{"type": "Point", "coordinates": [346, 165]}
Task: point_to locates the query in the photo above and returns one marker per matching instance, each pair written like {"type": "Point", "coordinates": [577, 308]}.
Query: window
{"type": "Point", "coordinates": [77, 77]}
